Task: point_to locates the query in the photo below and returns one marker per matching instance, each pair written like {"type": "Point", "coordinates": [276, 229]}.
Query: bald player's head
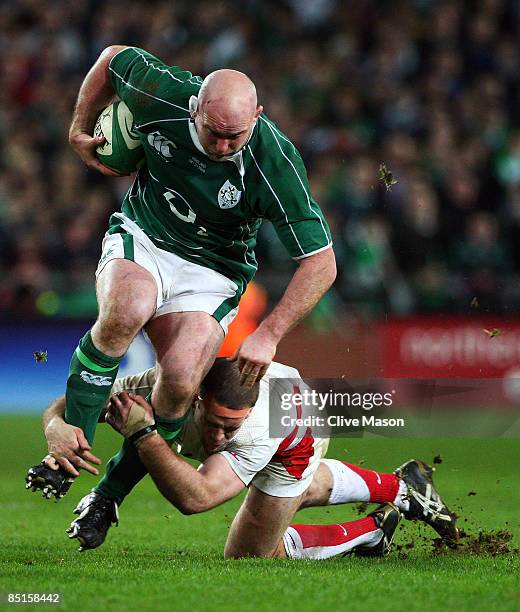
{"type": "Point", "coordinates": [226, 112]}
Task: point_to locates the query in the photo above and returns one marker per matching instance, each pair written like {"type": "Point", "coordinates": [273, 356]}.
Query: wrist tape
{"type": "Point", "coordinates": [146, 431]}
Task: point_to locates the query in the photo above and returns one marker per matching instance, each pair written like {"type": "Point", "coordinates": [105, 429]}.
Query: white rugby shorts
{"type": "Point", "coordinates": [290, 474]}
{"type": "Point", "coordinates": [182, 286]}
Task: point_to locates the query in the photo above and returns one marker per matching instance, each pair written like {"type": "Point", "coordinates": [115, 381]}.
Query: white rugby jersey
{"type": "Point", "coordinates": [252, 448]}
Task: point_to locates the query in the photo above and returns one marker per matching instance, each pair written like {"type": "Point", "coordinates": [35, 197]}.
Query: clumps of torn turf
{"type": "Point", "coordinates": [437, 460]}
{"type": "Point", "coordinates": [386, 177]}
{"type": "Point", "coordinates": [407, 546]}
{"type": "Point", "coordinates": [361, 508]}
{"type": "Point", "coordinates": [492, 333]}
{"type": "Point", "coordinates": [484, 543]}
{"type": "Point", "coordinates": [402, 547]}
{"type": "Point", "coordinates": [40, 356]}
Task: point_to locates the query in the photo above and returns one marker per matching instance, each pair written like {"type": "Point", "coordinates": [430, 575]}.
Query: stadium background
{"type": "Point", "coordinates": [428, 88]}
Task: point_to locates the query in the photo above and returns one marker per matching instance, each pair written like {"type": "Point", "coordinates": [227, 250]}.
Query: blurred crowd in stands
{"type": "Point", "coordinates": [429, 88]}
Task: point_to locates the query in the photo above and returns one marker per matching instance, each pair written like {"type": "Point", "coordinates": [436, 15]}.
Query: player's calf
{"type": "Point", "coordinates": [370, 536]}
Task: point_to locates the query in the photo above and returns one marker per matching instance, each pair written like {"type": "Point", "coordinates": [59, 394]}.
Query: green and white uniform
{"type": "Point", "coordinates": [204, 212]}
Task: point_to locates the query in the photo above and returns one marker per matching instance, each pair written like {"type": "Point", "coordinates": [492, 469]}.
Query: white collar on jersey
{"type": "Point", "coordinates": [236, 158]}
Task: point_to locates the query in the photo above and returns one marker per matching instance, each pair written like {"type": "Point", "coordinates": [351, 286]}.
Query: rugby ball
{"type": "Point", "coordinates": [123, 150]}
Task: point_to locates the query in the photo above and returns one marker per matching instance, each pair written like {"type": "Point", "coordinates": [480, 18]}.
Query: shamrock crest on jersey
{"type": "Point", "coordinates": [228, 195]}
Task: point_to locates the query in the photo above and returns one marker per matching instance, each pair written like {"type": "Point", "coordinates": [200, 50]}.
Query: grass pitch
{"type": "Point", "coordinates": [158, 559]}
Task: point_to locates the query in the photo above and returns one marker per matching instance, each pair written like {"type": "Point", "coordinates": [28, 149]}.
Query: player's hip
{"type": "Point", "coordinates": [290, 473]}
{"type": "Point", "coordinates": [182, 285]}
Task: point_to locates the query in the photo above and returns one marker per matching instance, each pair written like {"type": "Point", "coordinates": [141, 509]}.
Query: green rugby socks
{"type": "Point", "coordinates": [91, 376]}
{"type": "Point", "coordinates": [123, 472]}
{"type": "Point", "coordinates": [171, 428]}
{"type": "Point", "coordinates": [125, 469]}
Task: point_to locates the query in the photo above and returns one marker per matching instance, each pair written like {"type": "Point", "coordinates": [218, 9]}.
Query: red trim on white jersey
{"type": "Point", "coordinates": [294, 452]}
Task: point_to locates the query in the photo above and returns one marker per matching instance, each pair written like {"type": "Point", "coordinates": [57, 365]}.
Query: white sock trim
{"type": "Point", "coordinates": [292, 543]}
{"type": "Point", "coordinates": [400, 499]}
{"type": "Point", "coordinates": [295, 550]}
{"type": "Point", "coordinates": [347, 485]}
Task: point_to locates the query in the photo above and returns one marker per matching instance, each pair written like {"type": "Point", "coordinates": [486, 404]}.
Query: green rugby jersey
{"type": "Point", "coordinates": [204, 211]}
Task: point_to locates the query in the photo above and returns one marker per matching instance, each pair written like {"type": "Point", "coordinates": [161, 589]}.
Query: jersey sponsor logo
{"type": "Point", "coordinates": [228, 196]}
{"type": "Point", "coordinates": [95, 379]}
{"type": "Point", "coordinates": [161, 145]}
{"type": "Point", "coordinates": [201, 166]}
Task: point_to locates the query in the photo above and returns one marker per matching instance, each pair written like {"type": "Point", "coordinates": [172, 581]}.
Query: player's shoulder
{"type": "Point", "coordinates": [271, 140]}
{"type": "Point", "coordinates": [274, 154]}
{"type": "Point", "coordinates": [277, 380]}
{"type": "Point", "coordinates": [256, 426]}
{"type": "Point", "coordinates": [136, 56]}
{"type": "Point", "coordinates": [145, 82]}
{"type": "Point", "coordinates": [280, 370]}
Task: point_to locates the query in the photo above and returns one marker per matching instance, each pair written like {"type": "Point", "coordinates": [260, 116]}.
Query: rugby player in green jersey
{"type": "Point", "coordinates": [179, 255]}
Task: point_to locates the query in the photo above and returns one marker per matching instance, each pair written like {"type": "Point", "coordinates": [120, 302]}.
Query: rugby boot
{"type": "Point", "coordinates": [49, 481]}
{"type": "Point", "coordinates": [386, 518]}
{"type": "Point", "coordinates": [96, 515]}
{"type": "Point", "coordinates": [425, 503]}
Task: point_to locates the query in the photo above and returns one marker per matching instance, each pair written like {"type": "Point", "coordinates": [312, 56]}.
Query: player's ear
{"type": "Point", "coordinates": [193, 105]}
{"type": "Point", "coordinates": [259, 111]}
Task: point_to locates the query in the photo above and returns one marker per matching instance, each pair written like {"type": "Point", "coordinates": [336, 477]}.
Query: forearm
{"type": "Point", "coordinates": [309, 283]}
{"type": "Point", "coordinates": [56, 409]}
{"type": "Point", "coordinates": [179, 482]}
{"type": "Point", "coordinates": [95, 93]}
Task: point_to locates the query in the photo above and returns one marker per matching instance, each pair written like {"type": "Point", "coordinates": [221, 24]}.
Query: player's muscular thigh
{"type": "Point", "coordinates": [186, 344]}
{"type": "Point", "coordinates": [127, 297]}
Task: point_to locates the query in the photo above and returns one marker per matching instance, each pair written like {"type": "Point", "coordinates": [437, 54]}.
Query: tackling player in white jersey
{"type": "Point", "coordinates": [229, 433]}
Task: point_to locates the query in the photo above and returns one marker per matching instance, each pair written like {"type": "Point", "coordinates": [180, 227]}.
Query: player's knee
{"type": "Point", "coordinates": [230, 552]}
{"type": "Point", "coordinates": [120, 325]}
{"type": "Point", "coordinates": [115, 336]}
{"type": "Point", "coordinates": [186, 510]}
{"type": "Point", "coordinates": [180, 385]}
{"type": "Point", "coordinates": [189, 508]}
{"type": "Point", "coordinates": [233, 553]}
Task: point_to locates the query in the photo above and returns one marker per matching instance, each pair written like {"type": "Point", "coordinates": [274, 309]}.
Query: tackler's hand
{"type": "Point", "coordinates": [131, 416]}
{"type": "Point", "coordinates": [68, 448]}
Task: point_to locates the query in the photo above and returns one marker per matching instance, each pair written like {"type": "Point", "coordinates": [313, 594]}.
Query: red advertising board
{"type": "Point", "coordinates": [487, 347]}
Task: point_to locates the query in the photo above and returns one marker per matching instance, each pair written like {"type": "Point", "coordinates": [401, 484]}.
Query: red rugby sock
{"type": "Point", "coordinates": [355, 484]}
{"type": "Point", "coordinates": [382, 487]}
{"type": "Point", "coordinates": [324, 541]}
